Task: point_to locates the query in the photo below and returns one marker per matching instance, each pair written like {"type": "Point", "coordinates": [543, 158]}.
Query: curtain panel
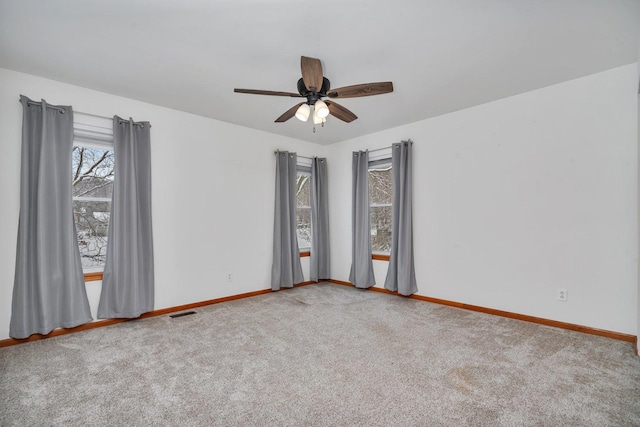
{"type": "Point", "coordinates": [49, 290]}
{"type": "Point", "coordinates": [361, 275]}
{"type": "Point", "coordinates": [319, 262]}
{"type": "Point", "coordinates": [286, 269]}
{"type": "Point", "coordinates": [401, 275]}
{"type": "Point", "coordinates": [128, 278]}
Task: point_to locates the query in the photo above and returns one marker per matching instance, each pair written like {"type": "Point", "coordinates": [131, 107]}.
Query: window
{"type": "Point", "coordinates": [92, 185]}
{"type": "Point", "coordinates": [380, 188]}
{"type": "Point", "coordinates": [303, 208]}
{"type": "Point", "coordinates": [92, 189]}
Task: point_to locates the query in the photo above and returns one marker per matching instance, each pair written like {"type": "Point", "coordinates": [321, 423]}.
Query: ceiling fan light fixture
{"type": "Point", "coordinates": [321, 109]}
{"type": "Point", "coordinates": [317, 120]}
{"type": "Point", "coordinates": [303, 112]}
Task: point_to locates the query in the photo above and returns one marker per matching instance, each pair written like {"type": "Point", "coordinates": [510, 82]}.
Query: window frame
{"type": "Point", "coordinates": [303, 169]}
{"type": "Point", "coordinates": [383, 161]}
{"type": "Point", "coordinates": [95, 132]}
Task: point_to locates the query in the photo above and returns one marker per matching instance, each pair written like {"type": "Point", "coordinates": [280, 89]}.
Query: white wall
{"type": "Point", "coordinates": [516, 198]}
{"type": "Point", "coordinates": [212, 194]}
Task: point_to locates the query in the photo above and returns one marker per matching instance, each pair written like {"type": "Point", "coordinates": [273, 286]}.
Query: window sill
{"type": "Point", "coordinates": [380, 257]}
{"type": "Point", "coordinates": [92, 277]}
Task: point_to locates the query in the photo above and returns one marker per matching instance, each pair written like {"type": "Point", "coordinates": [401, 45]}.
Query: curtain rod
{"type": "Point", "coordinates": [387, 148]}
{"type": "Point", "coordinates": [141, 124]}
{"type": "Point", "coordinates": [111, 118]}
{"type": "Point", "coordinates": [63, 110]}
{"type": "Point", "coordinates": [304, 157]}
{"type": "Point", "coordinates": [379, 149]}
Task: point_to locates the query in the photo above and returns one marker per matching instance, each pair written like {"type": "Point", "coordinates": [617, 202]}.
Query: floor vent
{"type": "Point", "coordinates": [186, 313]}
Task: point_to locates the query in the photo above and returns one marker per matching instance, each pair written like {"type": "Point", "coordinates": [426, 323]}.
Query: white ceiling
{"type": "Point", "coordinates": [441, 55]}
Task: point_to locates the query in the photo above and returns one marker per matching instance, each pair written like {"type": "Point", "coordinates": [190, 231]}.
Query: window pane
{"type": "Point", "coordinates": [303, 190]}
{"type": "Point", "coordinates": [303, 210]}
{"type": "Point", "coordinates": [92, 225]}
{"type": "Point", "coordinates": [92, 176]}
{"type": "Point", "coordinates": [92, 172]}
{"type": "Point", "coordinates": [380, 189]}
{"type": "Point", "coordinates": [380, 218]}
{"type": "Point", "coordinates": [380, 186]}
{"type": "Point", "coordinates": [303, 227]}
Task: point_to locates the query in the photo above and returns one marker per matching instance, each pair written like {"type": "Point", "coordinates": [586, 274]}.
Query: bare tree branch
{"type": "Point", "coordinates": [102, 185]}
{"type": "Point", "coordinates": [302, 180]}
{"type": "Point", "coordinates": [77, 180]}
{"type": "Point", "coordinates": [80, 162]}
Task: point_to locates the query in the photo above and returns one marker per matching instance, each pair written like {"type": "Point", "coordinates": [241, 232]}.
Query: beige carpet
{"type": "Point", "coordinates": [322, 355]}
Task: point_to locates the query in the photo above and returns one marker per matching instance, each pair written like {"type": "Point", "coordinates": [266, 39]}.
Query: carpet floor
{"type": "Point", "coordinates": [322, 355]}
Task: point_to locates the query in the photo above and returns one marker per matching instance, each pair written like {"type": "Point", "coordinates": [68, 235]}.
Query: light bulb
{"type": "Point", "coordinates": [303, 112]}
{"type": "Point", "coordinates": [321, 109]}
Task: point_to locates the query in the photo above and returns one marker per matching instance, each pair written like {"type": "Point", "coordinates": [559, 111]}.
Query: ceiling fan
{"type": "Point", "coordinates": [314, 86]}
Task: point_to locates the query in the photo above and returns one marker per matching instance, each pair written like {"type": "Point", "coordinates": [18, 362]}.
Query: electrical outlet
{"type": "Point", "coordinates": [562, 294]}
{"type": "Point", "coordinates": [229, 277]}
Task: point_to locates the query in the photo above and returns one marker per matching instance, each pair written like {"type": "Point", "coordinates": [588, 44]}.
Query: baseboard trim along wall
{"type": "Point", "coordinates": [108, 322]}
{"type": "Point", "coordinates": [524, 317]}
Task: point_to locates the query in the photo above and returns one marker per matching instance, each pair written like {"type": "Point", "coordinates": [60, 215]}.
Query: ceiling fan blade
{"type": "Point", "coordinates": [268, 92]}
{"type": "Point", "coordinates": [311, 73]}
{"type": "Point", "coordinates": [338, 111]}
{"type": "Point", "coordinates": [365, 89]}
{"type": "Point", "coordinates": [289, 113]}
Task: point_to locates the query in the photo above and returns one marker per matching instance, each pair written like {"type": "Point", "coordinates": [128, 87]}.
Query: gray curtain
{"type": "Point", "coordinates": [128, 278]}
{"type": "Point", "coordinates": [401, 275]}
{"type": "Point", "coordinates": [48, 290]}
{"type": "Point", "coordinates": [361, 275]}
{"type": "Point", "coordinates": [319, 263]}
{"type": "Point", "coordinates": [286, 269]}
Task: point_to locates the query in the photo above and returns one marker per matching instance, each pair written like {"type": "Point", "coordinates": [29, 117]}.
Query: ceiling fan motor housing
{"type": "Point", "coordinates": [312, 97]}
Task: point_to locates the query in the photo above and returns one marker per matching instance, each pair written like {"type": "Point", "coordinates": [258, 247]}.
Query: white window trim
{"type": "Point", "coordinates": [380, 154]}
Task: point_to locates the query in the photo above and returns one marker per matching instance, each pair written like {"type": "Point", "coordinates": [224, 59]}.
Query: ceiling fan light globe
{"type": "Point", "coordinates": [321, 109]}
{"type": "Point", "coordinates": [317, 120]}
{"type": "Point", "coordinates": [303, 111]}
